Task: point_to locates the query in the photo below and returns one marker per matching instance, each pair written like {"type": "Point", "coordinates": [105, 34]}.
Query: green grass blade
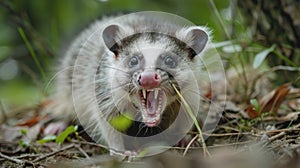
{"type": "Point", "coordinates": [189, 110]}
{"type": "Point", "coordinates": [31, 51]}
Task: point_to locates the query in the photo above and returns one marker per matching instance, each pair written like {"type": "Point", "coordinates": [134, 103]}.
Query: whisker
{"type": "Point", "coordinates": [102, 79]}
{"type": "Point", "coordinates": [146, 131]}
{"type": "Point", "coordinates": [120, 70]}
{"type": "Point", "coordinates": [59, 72]}
{"type": "Point", "coordinates": [120, 100]}
{"type": "Point", "coordinates": [141, 127]}
{"type": "Point", "coordinates": [120, 87]}
{"type": "Point", "coordinates": [114, 89]}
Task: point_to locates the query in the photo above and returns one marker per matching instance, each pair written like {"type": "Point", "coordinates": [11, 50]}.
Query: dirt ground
{"type": "Point", "coordinates": [247, 135]}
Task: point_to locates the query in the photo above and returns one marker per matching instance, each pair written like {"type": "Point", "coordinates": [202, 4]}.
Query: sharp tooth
{"type": "Point", "coordinates": [144, 93]}
{"type": "Point", "coordinates": [155, 93]}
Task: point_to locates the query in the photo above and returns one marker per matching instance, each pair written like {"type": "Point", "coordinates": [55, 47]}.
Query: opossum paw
{"type": "Point", "coordinates": [130, 155]}
{"type": "Point", "coordinates": [126, 155]}
{"type": "Point", "coordinates": [55, 128]}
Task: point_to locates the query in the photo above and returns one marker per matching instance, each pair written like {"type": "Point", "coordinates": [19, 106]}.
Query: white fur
{"type": "Point", "coordinates": [77, 92]}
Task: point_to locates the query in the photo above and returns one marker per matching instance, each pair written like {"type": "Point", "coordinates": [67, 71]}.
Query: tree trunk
{"type": "Point", "coordinates": [276, 22]}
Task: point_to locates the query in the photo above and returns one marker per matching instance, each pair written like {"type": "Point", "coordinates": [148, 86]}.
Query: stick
{"type": "Point", "coordinates": [189, 145]}
{"type": "Point", "coordinates": [11, 159]}
{"type": "Point", "coordinates": [281, 134]}
{"type": "Point", "coordinates": [53, 153]}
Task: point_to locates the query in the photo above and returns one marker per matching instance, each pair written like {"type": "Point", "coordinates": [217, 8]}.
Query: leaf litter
{"type": "Point", "coordinates": [261, 130]}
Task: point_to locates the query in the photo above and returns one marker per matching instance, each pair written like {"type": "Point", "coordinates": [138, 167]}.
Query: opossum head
{"type": "Point", "coordinates": [144, 65]}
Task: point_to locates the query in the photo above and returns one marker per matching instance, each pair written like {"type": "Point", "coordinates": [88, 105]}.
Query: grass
{"type": "Point", "coordinates": [32, 53]}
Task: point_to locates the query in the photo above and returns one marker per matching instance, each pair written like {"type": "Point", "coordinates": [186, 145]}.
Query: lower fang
{"type": "Point", "coordinates": [155, 93]}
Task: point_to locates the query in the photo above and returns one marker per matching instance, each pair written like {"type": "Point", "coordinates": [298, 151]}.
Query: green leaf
{"type": "Point", "coordinates": [23, 131]}
{"type": "Point", "coordinates": [286, 59]}
{"type": "Point", "coordinates": [122, 122]}
{"type": "Point", "coordinates": [222, 44]}
{"type": "Point", "coordinates": [261, 56]}
{"type": "Point", "coordinates": [23, 144]}
{"type": "Point", "coordinates": [47, 139]}
{"type": "Point", "coordinates": [255, 105]}
{"type": "Point", "coordinates": [232, 48]}
{"type": "Point", "coordinates": [62, 136]}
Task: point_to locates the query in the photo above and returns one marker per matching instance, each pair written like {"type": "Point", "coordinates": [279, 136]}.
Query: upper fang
{"type": "Point", "coordinates": [144, 93]}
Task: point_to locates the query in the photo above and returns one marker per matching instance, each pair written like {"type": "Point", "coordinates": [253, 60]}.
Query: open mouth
{"type": "Point", "coordinates": [153, 102]}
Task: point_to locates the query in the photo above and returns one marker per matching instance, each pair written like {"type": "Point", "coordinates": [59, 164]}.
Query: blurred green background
{"type": "Point", "coordinates": [48, 26]}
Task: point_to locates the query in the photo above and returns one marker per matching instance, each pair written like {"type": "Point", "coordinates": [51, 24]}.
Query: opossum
{"type": "Point", "coordinates": [131, 66]}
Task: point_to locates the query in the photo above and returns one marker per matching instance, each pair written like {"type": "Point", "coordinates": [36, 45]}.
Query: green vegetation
{"type": "Point", "coordinates": [35, 33]}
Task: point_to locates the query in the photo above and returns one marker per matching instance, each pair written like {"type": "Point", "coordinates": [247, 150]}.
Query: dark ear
{"type": "Point", "coordinates": [199, 39]}
{"type": "Point", "coordinates": [111, 37]}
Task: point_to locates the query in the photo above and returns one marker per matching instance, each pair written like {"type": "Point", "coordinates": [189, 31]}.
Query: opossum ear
{"type": "Point", "coordinates": [112, 35]}
{"type": "Point", "coordinates": [195, 37]}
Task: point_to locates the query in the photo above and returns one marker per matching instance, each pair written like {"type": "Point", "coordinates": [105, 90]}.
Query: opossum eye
{"type": "Point", "coordinates": [133, 61]}
{"type": "Point", "coordinates": [170, 62]}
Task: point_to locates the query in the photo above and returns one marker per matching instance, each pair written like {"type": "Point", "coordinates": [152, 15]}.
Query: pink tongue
{"type": "Point", "coordinates": [151, 103]}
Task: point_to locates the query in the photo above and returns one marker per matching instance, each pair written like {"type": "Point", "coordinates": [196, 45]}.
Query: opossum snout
{"type": "Point", "coordinates": [149, 79]}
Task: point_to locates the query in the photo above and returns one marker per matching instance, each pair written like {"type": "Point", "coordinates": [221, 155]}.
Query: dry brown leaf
{"type": "Point", "coordinates": [32, 121]}
{"type": "Point", "coordinates": [252, 113]}
{"type": "Point", "coordinates": [208, 95]}
{"type": "Point", "coordinates": [42, 106]}
{"type": "Point", "coordinates": [272, 101]}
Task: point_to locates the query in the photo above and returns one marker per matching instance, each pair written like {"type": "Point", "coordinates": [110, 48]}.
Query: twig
{"type": "Point", "coordinates": [189, 144]}
{"type": "Point", "coordinates": [251, 133]}
{"type": "Point", "coordinates": [27, 156]}
{"type": "Point", "coordinates": [18, 161]}
{"type": "Point", "coordinates": [90, 143]}
{"type": "Point", "coordinates": [54, 152]}
{"type": "Point", "coordinates": [281, 130]}
{"type": "Point", "coordinates": [82, 151]}
{"type": "Point", "coordinates": [227, 134]}
{"type": "Point", "coordinates": [281, 134]}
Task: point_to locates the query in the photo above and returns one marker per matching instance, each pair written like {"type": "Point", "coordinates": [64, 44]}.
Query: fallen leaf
{"type": "Point", "coordinates": [271, 103]}
{"type": "Point", "coordinates": [208, 95]}
{"type": "Point", "coordinates": [32, 121]}
{"type": "Point", "coordinates": [42, 106]}
{"type": "Point", "coordinates": [252, 113]}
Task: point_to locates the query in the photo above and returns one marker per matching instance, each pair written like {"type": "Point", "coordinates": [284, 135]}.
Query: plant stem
{"type": "Point", "coordinates": [31, 51]}
{"type": "Point", "coordinates": [189, 110]}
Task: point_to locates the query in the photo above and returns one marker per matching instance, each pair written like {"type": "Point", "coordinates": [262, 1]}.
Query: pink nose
{"type": "Point", "coordinates": [149, 79]}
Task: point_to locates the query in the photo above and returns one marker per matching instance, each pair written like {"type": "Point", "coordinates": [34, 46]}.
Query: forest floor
{"type": "Point", "coordinates": [257, 133]}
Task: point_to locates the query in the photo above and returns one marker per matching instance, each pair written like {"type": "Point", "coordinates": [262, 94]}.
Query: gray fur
{"type": "Point", "coordinates": [97, 83]}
